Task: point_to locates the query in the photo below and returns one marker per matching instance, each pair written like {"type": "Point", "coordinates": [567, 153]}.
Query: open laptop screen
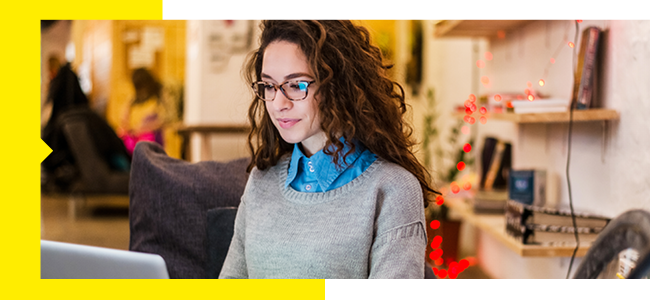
{"type": "Point", "coordinates": [73, 261]}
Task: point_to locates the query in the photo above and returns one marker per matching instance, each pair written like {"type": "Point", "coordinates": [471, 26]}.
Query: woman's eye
{"type": "Point", "coordinates": [298, 86]}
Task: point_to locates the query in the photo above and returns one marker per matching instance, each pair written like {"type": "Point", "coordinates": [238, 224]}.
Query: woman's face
{"type": "Point", "coordinates": [297, 121]}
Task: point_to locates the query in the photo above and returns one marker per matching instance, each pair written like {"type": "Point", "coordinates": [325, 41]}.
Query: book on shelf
{"type": "Point", "coordinates": [541, 106]}
{"type": "Point", "coordinates": [550, 235]}
{"type": "Point", "coordinates": [540, 109]}
{"type": "Point", "coordinates": [531, 214]}
{"type": "Point", "coordinates": [490, 202]}
{"type": "Point", "coordinates": [528, 186]}
{"type": "Point", "coordinates": [584, 85]}
{"type": "Point", "coordinates": [495, 164]}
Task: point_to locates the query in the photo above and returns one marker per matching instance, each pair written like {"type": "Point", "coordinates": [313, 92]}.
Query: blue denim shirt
{"type": "Point", "coordinates": [318, 173]}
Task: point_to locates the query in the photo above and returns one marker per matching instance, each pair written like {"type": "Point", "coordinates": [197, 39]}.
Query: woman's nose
{"type": "Point", "coordinates": [281, 102]}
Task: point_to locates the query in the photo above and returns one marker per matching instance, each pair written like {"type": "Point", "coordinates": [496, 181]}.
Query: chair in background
{"type": "Point", "coordinates": [630, 230]}
{"type": "Point", "coordinates": [99, 156]}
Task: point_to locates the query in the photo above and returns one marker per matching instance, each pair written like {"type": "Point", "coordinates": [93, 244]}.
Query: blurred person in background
{"type": "Point", "coordinates": [69, 104]}
{"type": "Point", "coordinates": [143, 117]}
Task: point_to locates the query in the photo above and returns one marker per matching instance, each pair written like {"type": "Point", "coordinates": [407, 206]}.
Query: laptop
{"type": "Point", "coordinates": [72, 261]}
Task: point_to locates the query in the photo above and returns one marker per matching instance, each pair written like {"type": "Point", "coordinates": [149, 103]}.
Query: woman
{"type": "Point", "coordinates": [144, 116]}
{"type": "Point", "coordinates": [334, 191]}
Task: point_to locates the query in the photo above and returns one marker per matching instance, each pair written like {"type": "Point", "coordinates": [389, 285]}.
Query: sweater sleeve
{"type": "Point", "coordinates": [399, 247]}
{"type": "Point", "coordinates": [235, 264]}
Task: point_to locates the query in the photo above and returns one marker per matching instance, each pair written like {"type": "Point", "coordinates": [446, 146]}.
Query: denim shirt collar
{"type": "Point", "coordinates": [326, 170]}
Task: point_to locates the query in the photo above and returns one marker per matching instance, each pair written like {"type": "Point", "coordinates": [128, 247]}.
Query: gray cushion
{"type": "Point", "coordinates": [169, 201]}
{"type": "Point", "coordinates": [220, 229]}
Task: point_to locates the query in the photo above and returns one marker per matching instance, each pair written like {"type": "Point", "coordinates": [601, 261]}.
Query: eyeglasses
{"type": "Point", "coordinates": [293, 90]}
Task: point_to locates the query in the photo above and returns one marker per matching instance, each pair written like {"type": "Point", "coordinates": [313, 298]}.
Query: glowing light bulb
{"type": "Point", "coordinates": [552, 60]}
{"type": "Point", "coordinates": [483, 120]}
{"type": "Point", "coordinates": [579, 21]}
{"type": "Point", "coordinates": [465, 129]}
{"type": "Point", "coordinates": [488, 55]}
{"type": "Point", "coordinates": [466, 117]}
{"type": "Point", "coordinates": [571, 44]}
{"type": "Point", "coordinates": [467, 186]}
{"type": "Point", "coordinates": [440, 200]}
{"type": "Point", "coordinates": [460, 166]}
{"type": "Point", "coordinates": [437, 239]}
{"type": "Point", "coordinates": [483, 110]}
{"type": "Point", "coordinates": [531, 97]}
{"type": "Point", "coordinates": [485, 80]}
{"type": "Point", "coordinates": [472, 97]}
{"type": "Point", "coordinates": [497, 98]}
{"type": "Point", "coordinates": [541, 82]}
{"type": "Point", "coordinates": [467, 148]}
{"type": "Point", "coordinates": [471, 120]}
{"type": "Point", "coordinates": [467, 103]}
{"type": "Point", "coordinates": [480, 64]}
{"type": "Point", "coordinates": [529, 84]}
{"type": "Point", "coordinates": [442, 273]}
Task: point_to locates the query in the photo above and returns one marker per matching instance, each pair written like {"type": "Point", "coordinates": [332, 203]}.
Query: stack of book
{"type": "Point", "coordinates": [535, 225]}
{"type": "Point", "coordinates": [496, 161]}
{"type": "Point", "coordinates": [490, 202]}
{"type": "Point", "coordinates": [541, 106]}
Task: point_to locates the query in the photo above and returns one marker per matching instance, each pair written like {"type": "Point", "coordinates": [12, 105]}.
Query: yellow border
{"type": "Point", "coordinates": [22, 151]}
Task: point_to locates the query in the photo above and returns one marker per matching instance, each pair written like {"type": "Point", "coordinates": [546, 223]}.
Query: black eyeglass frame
{"type": "Point", "coordinates": [277, 87]}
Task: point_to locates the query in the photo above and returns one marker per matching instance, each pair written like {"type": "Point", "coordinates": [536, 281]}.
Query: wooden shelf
{"type": "Point", "coordinates": [595, 114]}
{"type": "Point", "coordinates": [476, 28]}
{"type": "Point", "coordinates": [495, 225]}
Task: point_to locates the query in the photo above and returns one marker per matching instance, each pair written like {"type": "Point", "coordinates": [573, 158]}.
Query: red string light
{"type": "Point", "coordinates": [541, 82]}
{"type": "Point", "coordinates": [571, 44]}
{"type": "Point", "coordinates": [467, 186]}
{"type": "Point", "coordinates": [483, 120]}
{"type": "Point", "coordinates": [455, 188]}
{"type": "Point", "coordinates": [460, 166]}
{"type": "Point", "coordinates": [467, 148]}
{"type": "Point", "coordinates": [497, 98]}
{"type": "Point", "coordinates": [435, 224]}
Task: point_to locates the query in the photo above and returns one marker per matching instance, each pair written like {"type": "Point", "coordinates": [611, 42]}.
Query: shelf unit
{"type": "Point", "coordinates": [595, 114]}
{"type": "Point", "coordinates": [476, 28]}
{"type": "Point", "coordinates": [495, 226]}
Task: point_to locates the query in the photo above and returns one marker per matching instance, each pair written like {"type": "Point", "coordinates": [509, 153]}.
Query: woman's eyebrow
{"type": "Point", "coordinates": [288, 77]}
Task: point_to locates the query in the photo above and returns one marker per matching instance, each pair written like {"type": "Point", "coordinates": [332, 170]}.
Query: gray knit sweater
{"type": "Point", "coordinates": [372, 227]}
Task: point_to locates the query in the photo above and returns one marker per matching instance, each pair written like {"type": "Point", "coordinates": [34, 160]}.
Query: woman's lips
{"type": "Point", "coordinates": [287, 123]}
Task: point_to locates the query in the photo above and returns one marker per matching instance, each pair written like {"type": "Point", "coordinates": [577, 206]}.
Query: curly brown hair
{"type": "Point", "coordinates": [357, 99]}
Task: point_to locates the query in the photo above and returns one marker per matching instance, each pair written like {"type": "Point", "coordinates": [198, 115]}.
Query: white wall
{"type": "Point", "coordinates": [609, 165]}
{"type": "Point", "coordinates": [216, 93]}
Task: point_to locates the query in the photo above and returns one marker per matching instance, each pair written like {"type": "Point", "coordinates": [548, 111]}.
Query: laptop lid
{"type": "Point", "coordinates": [72, 261]}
